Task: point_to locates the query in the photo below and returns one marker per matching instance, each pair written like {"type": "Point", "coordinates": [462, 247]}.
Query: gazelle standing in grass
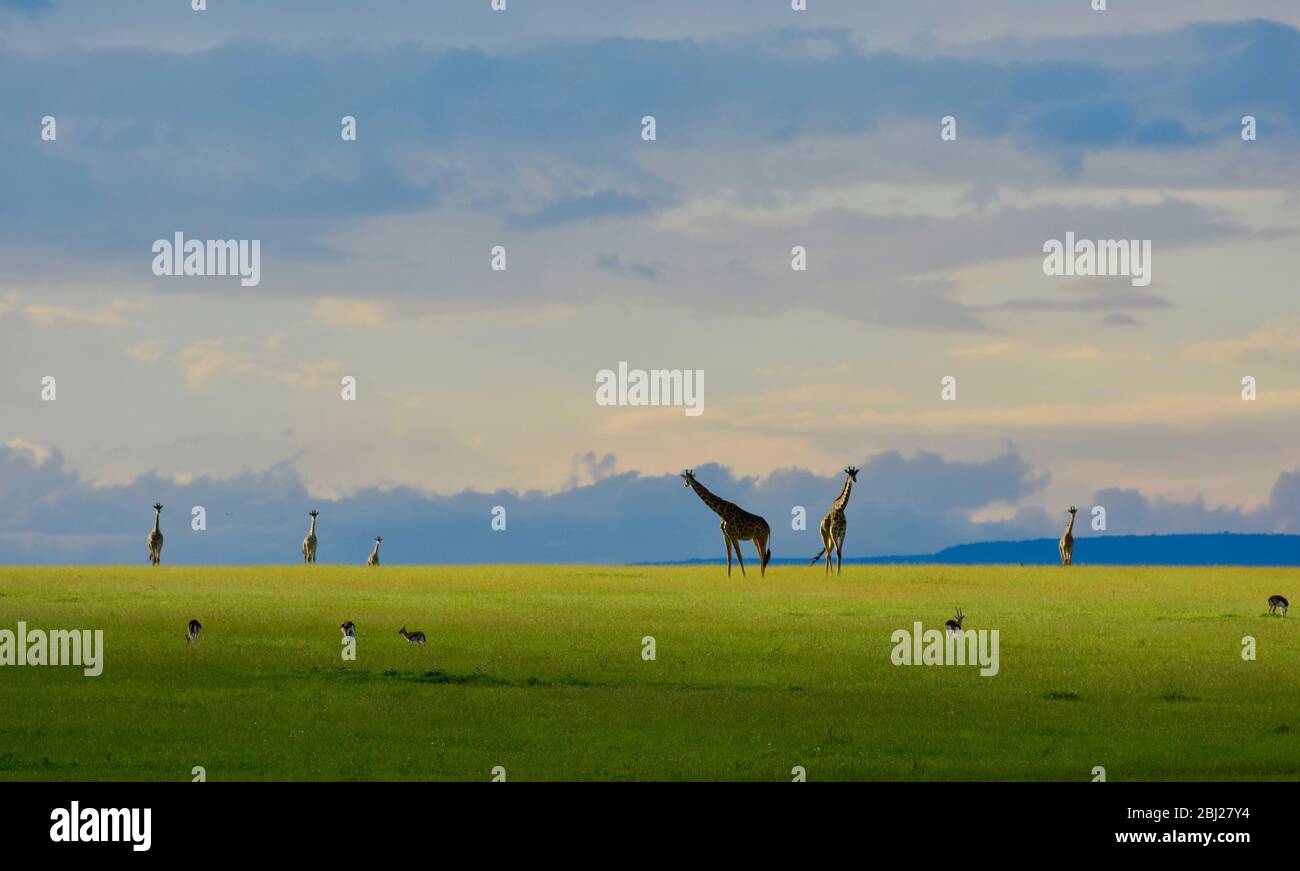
{"type": "Point", "coordinates": [192, 632]}
{"type": "Point", "coordinates": [954, 626]}
{"type": "Point", "coordinates": [416, 638]}
{"type": "Point", "coordinates": [1277, 602]}
{"type": "Point", "coordinates": [155, 540]}
{"type": "Point", "coordinates": [309, 543]}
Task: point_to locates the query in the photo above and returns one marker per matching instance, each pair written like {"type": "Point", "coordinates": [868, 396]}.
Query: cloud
{"type": "Point", "coordinates": [337, 312]}
{"type": "Point", "coordinates": [603, 204]}
{"type": "Point", "coordinates": [614, 263]}
{"type": "Point", "coordinates": [992, 349]}
{"type": "Point", "coordinates": [31, 8]}
{"type": "Point", "coordinates": [1277, 341]}
{"type": "Point", "coordinates": [207, 359]}
{"type": "Point", "coordinates": [900, 505]}
{"type": "Point", "coordinates": [457, 128]}
{"type": "Point", "coordinates": [48, 315]}
{"type": "Point", "coordinates": [145, 352]}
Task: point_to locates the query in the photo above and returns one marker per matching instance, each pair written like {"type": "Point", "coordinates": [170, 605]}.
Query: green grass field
{"type": "Point", "coordinates": [539, 669]}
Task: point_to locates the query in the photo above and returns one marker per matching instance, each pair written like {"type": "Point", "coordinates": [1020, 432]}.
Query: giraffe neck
{"type": "Point", "coordinates": [312, 531]}
{"type": "Point", "coordinates": [710, 500]}
{"type": "Point", "coordinates": [1069, 530]}
{"type": "Point", "coordinates": [844, 494]}
{"type": "Point", "coordinates": [157, 521]}
{"type": "Point", "coordinates": [375, 552]}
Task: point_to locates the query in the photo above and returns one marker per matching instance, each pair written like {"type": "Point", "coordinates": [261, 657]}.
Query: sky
{"type": "Point", "coordinates": [476, 388]}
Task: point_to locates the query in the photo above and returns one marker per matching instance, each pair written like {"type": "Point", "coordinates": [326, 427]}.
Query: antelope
{"type": "Point", "coordinates": [192, 632]}
{"type": "Point", "coordinates": [954, 626]}
{"type": "Point", "coordinates": [412, 637]}
{"type": "Point", "coordinates": [1275, 602]}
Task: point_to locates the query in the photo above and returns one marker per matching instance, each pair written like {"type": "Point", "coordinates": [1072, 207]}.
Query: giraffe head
{"type": "Point", "coordinates": [314, 513]}
{"type": "Point", "coordinates": [852, 472]}
{"type": "Point", "coordinates": [378, 539]}
{"type": "Point", "coordinates": [688, 477]}
{"type": "Point", "coordinates": [157, 506]}
{"type": "Point", "coordinates": [1073, 511]}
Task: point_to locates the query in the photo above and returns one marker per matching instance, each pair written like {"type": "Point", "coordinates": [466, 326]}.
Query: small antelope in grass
{"type": "Point", "coordinates": [373, 559]}
{"type": "Point", "coordinates": [1276, 602]}
{"type": "Point", "coordinates": [349, 629]}
{"type": "Point", "coordinates": [155, 540]}
{"type": "Point", "coordinates": [412, 637]}
{"type": "Point", "coordinates": [954, 626]}
{"type": "Point", "coordinates": [192, 632]}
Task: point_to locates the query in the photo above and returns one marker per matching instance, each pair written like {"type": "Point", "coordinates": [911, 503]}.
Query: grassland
{"type": "Point", "coordinates": [539, 669]}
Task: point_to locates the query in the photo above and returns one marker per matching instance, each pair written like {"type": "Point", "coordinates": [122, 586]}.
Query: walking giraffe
{"type": "Point", "coordinates": [155, 539]}
{"type": "Point", "coordinates": [737, 525]}
{"type": "Point", "coordinates": [373, 559]}
{"type": "Point", "coordinates": [834, 524]}
{"type": "Point", "coordinates": [1067, 540]}
{"type": "Point", "coordinates": [309, 543]}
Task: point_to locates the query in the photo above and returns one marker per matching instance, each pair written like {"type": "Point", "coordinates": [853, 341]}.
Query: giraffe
{"type": "Point", "coordinates": [834, 525]}
{"type": "Point", "coordinates": [309, 543]}
{"type": "Point", "coordinates": [1067, 540]}
{"type": "Point", "coordinates": [373, 559]}
{"type": "Point", "coordinates": [155, 539]}
{"type": "Point", "coordinates": [737, 525]}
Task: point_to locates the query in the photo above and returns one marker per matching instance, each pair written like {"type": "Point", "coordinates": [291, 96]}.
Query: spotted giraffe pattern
{"type": "Point", "coordinates": [309, 543]}
{"type": "Point", "coordinates": [834, 525]}
{"type": "Point", "coordinates": [737, 525]}
{"type": "Point", "coordinates": [1067, 540]}
{"type": "Point", "coordinates": [155, 540]}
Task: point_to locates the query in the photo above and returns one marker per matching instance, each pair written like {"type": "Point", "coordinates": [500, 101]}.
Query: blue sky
{"type": "Point", "coordinates": [521, 129]}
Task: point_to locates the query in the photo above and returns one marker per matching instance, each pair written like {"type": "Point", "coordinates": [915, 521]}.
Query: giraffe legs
{"type": "Point", "coordinates": [839, 554]}
{"type": "Point", "coordinates": [727, 540]}
{"type": "Point", "coordinates": [740, 559]}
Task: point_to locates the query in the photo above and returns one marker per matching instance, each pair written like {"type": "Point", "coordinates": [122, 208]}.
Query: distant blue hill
{"type": "Point", "coordinates": [1216, 549]}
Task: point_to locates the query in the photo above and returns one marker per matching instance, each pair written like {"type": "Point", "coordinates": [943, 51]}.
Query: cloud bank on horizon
{"type": "Point", "coordinates": [522, 129]}
{"type": "Point", "coordinates": [900, 506]}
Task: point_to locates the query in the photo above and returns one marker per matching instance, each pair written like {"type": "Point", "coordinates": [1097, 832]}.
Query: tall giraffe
{"type": "Point", "coordinates": [155, 539]}
{"type": "Point", "coordinates": [737, 525]}
{"type": "Point", "coordinates": [309, 543]}
{"type": "Point", "coordinates": [373, 559]}
{"type": "Point", "coordinates": [834, 524]}
{"type": "Point", "coordinates": [1067, 540]}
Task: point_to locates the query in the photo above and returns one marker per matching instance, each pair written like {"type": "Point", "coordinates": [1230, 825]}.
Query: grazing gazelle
{"type": "Point", "coordinates": [1275, 602]}
{"type": "Point", "coordinates": [155, 540]}
{"type": "Point", "coordinates": [373, 559]}
{"type": "Point", "coordinates": [954, 626]}
{"type": "Point", "coordinates": [309, 543]}
{"type": "Point", "coordinates": [1067, 540]}
{"type": "Point", "coordinates": [349, 629]}
{"type": "Point", "coordinates": [192, 632]}
{"type": "Point", "coordinates": [412, 637]}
